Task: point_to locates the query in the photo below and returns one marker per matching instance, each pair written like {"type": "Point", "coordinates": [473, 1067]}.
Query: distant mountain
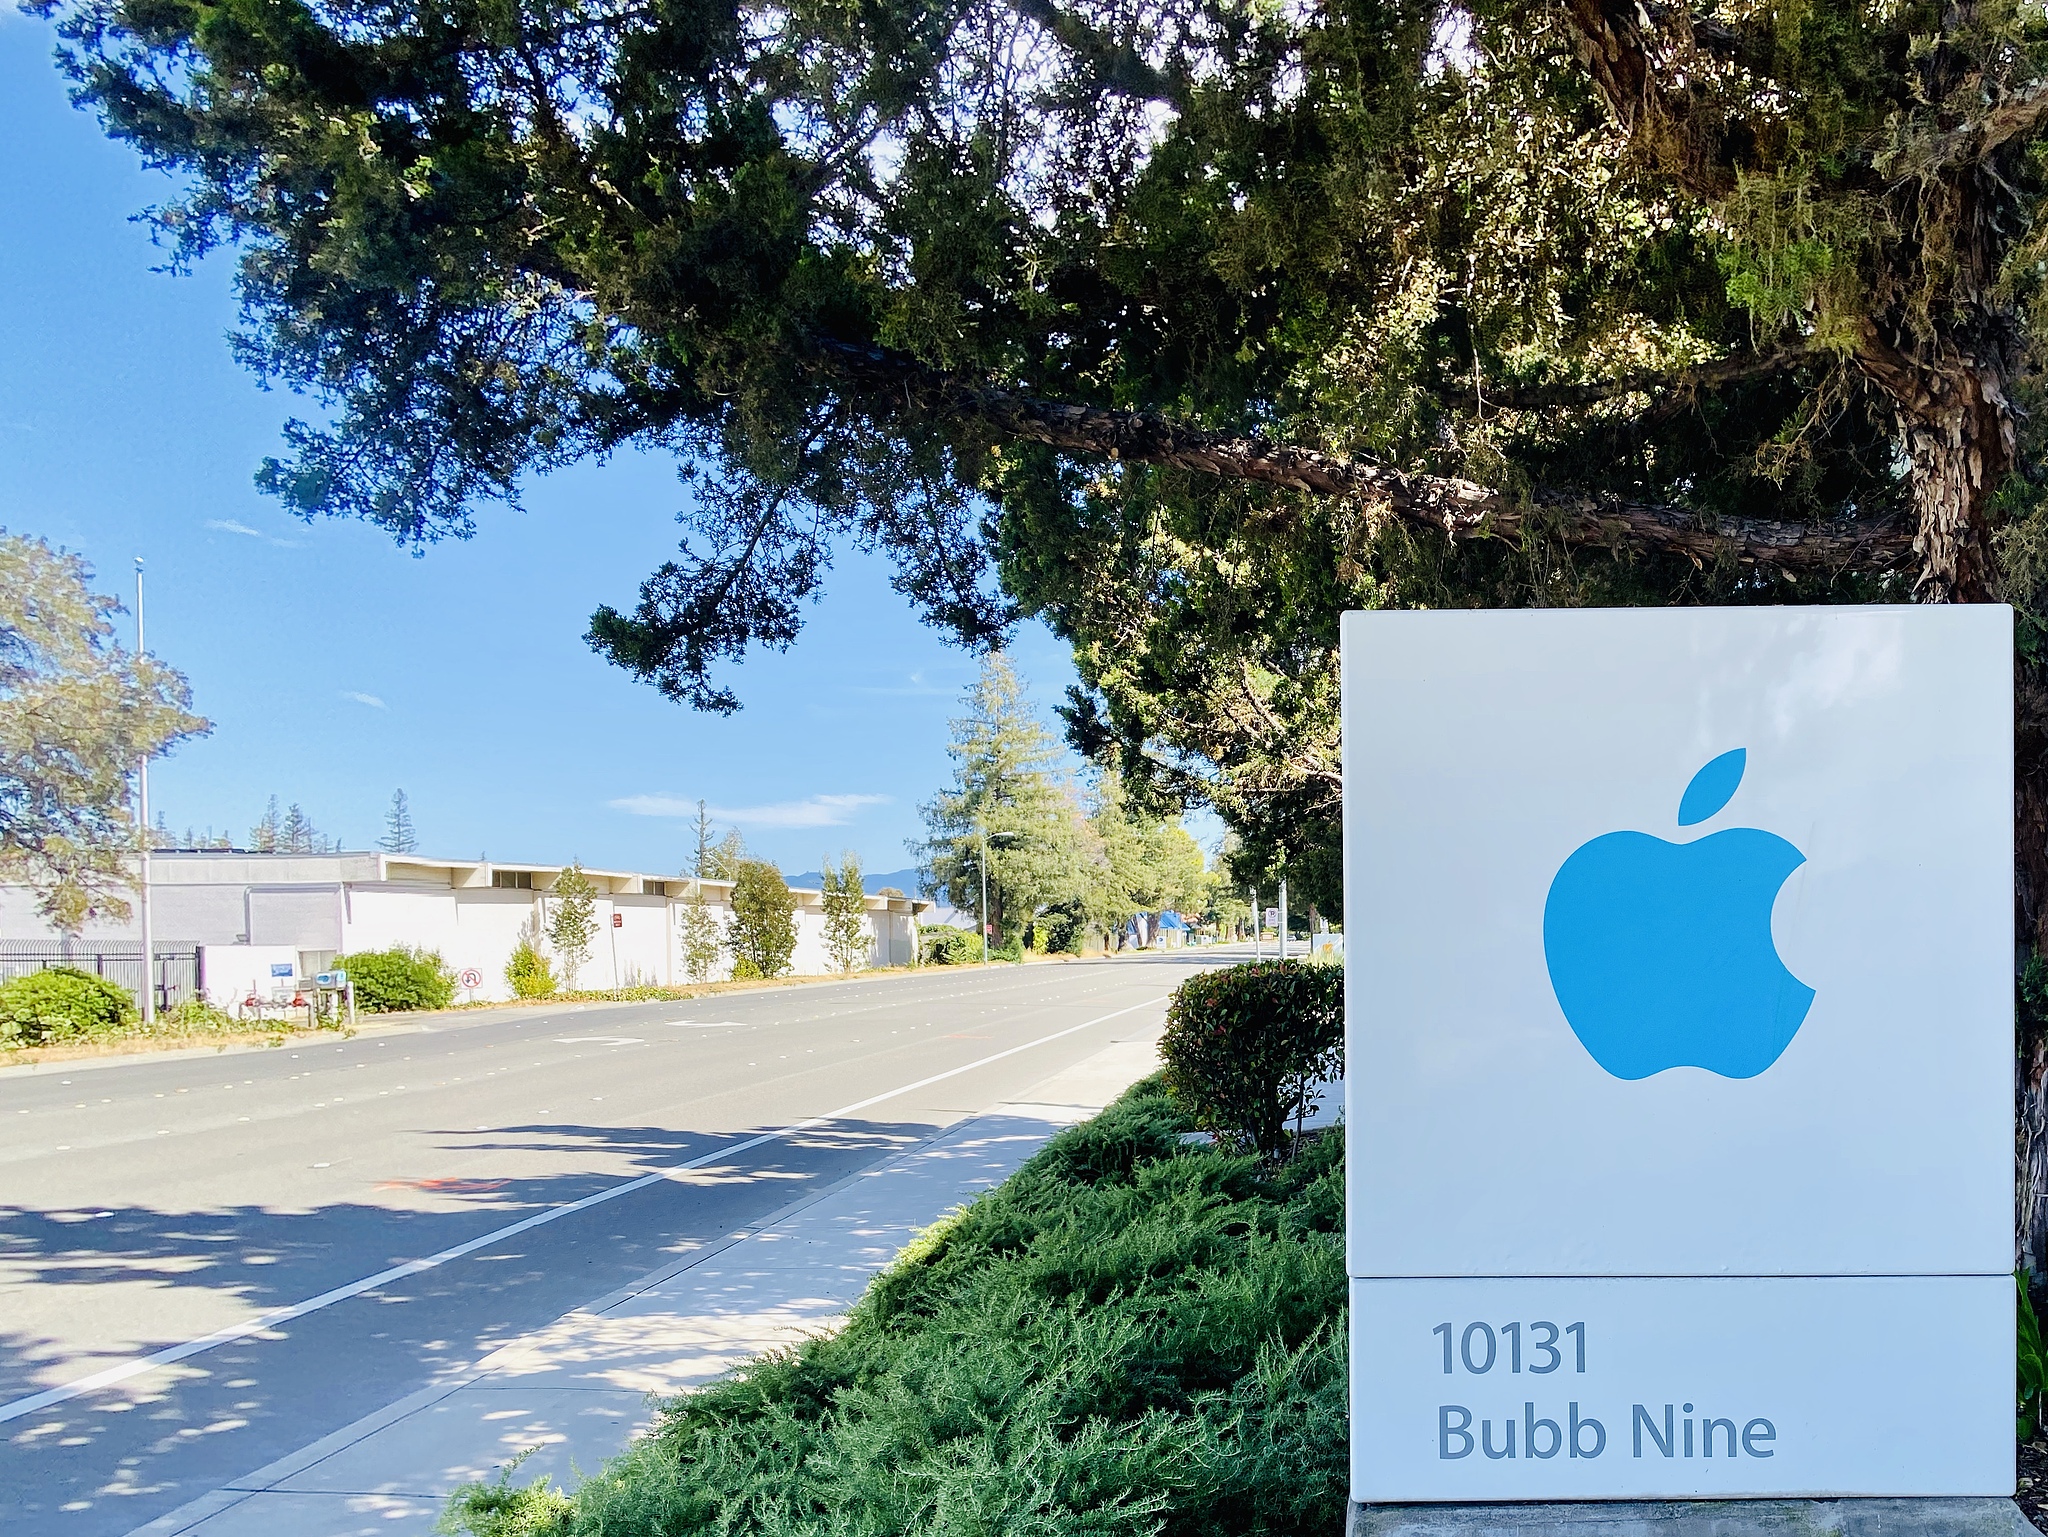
{"type": "Point", "coordinates": [871, 881]}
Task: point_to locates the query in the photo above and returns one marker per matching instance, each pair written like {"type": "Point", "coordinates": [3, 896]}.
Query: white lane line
{"type": "Point", "coordinates": [122, 1371]}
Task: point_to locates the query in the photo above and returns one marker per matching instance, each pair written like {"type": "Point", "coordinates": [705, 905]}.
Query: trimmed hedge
{"type": "Point", "coordinates": [62, 1003]}
{"type": "Point", "coordinates": [1244, 1046]}
{"type": "Point", "coordinates": [1127, 1338]}
{"type": "Point", "coordinates": [399, 979]}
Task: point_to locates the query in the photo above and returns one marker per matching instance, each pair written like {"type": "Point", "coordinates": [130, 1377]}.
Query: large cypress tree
{"type": "Point", "coordinates": [1185, 324]}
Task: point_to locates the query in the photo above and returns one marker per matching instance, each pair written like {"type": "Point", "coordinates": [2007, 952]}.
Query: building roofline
{"type": "Point", "coordinates": [387, 862]}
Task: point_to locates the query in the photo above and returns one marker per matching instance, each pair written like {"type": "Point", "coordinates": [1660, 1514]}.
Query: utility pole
{"type": "Point", "coordinates": [1283, 917]}
{"type": "Point", "coordinates": [1258, 929]}
{"type": "Point", "coordinates": [142, 827]}
{"type": "Point", "coordinates": [984, 889]}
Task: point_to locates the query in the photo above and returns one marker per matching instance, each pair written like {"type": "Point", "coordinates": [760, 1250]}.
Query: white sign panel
{"type": "Point", "coordinates": [1681, 952]}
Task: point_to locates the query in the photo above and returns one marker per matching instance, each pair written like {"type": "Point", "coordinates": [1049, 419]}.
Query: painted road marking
{"type": "Point", "coordinates": [123, 1370]}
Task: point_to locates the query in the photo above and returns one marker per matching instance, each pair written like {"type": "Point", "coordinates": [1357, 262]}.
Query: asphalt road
{"type": "Point", "coordinates": [149, 1202]}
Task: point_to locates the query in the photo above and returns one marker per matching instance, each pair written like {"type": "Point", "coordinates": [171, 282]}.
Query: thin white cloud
{"type": "Point", "coordinates": [230, 526]}
{"type": "Point", "coordinates": [369, 699]}
{"type": "Point", "coordinates": [812, 811]}
{"type": "Point", "coordinates": [916, 686]}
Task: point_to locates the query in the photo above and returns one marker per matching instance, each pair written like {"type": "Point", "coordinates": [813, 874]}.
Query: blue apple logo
{"type": "Point", "coordinates": [1661, 954]}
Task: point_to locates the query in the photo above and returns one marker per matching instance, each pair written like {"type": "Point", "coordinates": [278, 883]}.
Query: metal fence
{"type": "Point", "coordinates": [177, 970]}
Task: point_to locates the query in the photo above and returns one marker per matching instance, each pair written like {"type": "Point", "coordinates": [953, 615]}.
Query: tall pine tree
{"type": "Point", "coordinates": [398, 831]}
{"type": "Point", "coordinates": [1008, 798]}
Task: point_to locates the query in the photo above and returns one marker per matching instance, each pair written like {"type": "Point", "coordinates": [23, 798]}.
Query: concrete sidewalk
{"type": "Point", "coordinates": [574, 1393]}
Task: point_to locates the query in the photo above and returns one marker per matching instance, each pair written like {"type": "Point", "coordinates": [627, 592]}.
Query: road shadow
{"type": "Point", "coordinates": [198, 1270]}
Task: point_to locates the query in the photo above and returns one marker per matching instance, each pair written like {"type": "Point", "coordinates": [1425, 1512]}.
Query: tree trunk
{"type": "Point", "coordinates": [1960, 443]}
{"type": "Point", "coordinates": [2030, 903]}
{"type": "Point", "coordinates": [1957, 432]}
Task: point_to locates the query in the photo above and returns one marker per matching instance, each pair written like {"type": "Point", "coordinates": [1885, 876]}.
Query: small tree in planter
{"type": "Point", "coordinates": [573, 923]}
{"type": "Point", "coordinates": [1245, 1047]}
{"type": "Point", "coordinates": [763, 932]}
{"type": "Point", "coordinates": [700, 938]}
{"type": "Point", "coordinates": [846, 915]}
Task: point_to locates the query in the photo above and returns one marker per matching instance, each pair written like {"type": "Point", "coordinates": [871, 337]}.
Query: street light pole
{"type": "Point", "coordinates": [984, 890]}
{"type": "Point", "coordinates": [1258, 928]}
{"type": "Point", "coordinates": [1283, 917]}
{"type": "Point", "coordinates": [142, 852]}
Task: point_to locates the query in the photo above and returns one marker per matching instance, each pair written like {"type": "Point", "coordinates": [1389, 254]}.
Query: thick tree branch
{"type": "Point", "coordinates": [2019, 114]}
{"type": "Point", "coordinates": [1633, 53]}
{"type": "Point", "coordinates": [1460, 508]}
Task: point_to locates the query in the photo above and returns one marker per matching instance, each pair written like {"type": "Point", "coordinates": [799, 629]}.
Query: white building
{"type": "Point", "coordinates": [249, 914]}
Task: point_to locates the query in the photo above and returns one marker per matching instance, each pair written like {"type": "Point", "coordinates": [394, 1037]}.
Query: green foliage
{"type": "Point", "coordinates": [528, 973]}
{"type": "Point", "coordinates": [1007, 798]}
{"type": "Point", "coordinates": [699, 936]}
{"type": "Point", "coordinates": [572, 920]}
{"type": "Point", "coordinates": [1062, 929]}
{"type": "Point", "coordinates": [744, 969]}
{"type": "Point", "coordinates": [506, 1509]}
{"type": "Point", "coordinates": [401, 978]}
{"type": "Point", "coordinates": [76, 714]}
{"type": "Point", "coordinates": [1557, 257]}
{"type": "Point", "coordinates": [946, 945]}
{"type": "Point", "coordinates": [61, 1003]}
{"type": "Point", "coordinates": [718, 860]}
{"type": "Point", "coordinates": [2033, 1364]}
{"type": "Point", "coordinates": [847, 936]}
{"type": "Point", "coordinates": [1244, 1046]}
{"type": "Point", "coordinates": [1127, 1338]}
{"type": "Point", "coordinates": [763, 932]}
{"type": "Point", "coordinates": [197, 1017]}
{"type": "Point", "coordinates": [2032, 999]}
{"type": "Point", "coordinates": [1149, 862]}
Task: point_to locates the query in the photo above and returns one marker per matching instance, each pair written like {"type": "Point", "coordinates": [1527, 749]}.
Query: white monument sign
{"type": "Point", "coordinates": [1680, 1052]}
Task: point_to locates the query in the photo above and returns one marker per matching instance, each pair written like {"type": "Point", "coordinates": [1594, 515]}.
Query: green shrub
{"type": "Point", "coordinates": [194, 1015]}
{"type": "Point", "coordinates": [744, 970]}
{"type": "Point", "coordinates": [1062, 931]}
{"type": "Point", "coordinates": [1127, 1338]}
{"type": "Point", "coordinates": [1245, 1045]}
{"type": "Point", "coordinates": [945, 945]}
{"type": "Point", "coordinates": [401, 978]}
{"type": "Point", "coordinates": [59, 1004]}
{"type": "Point", "coordinates": [528, 973]}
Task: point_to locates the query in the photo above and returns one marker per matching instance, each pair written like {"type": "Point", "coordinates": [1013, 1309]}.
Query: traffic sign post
{"type": "Point", "coordinates": [1679, 1056]}
{"type": "Point", "coordinates": [471, 979]}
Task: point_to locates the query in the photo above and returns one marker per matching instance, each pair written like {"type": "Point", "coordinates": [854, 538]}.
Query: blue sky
{"type": "Point", "coordinates": [336, 667]}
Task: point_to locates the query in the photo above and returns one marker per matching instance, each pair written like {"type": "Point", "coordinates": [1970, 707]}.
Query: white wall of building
{"type": "Point", "coordinates": [235, 973]}
{"type": "Point", "coordinates": [248, 909]}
